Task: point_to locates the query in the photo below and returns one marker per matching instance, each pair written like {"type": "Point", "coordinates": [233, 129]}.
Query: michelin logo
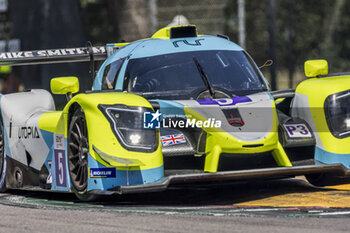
{"type": "Point", "coordinates": [102, 172]}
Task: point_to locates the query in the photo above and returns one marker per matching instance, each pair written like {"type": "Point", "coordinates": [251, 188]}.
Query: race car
{"type": "Point", "coordinates": [176, 108]}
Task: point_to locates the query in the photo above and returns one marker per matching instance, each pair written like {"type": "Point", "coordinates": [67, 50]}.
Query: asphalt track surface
{"type": "Point", "coordinates": [289, 205]}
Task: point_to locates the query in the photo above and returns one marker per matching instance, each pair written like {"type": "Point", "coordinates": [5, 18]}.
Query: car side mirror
{"type": "Point", "coordinates": [65, 86]}
{"type": "Point", "coordinates": [314, 68]}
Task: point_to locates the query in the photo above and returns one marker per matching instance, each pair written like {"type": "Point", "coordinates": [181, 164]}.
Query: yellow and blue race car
{"type": "Point", "coordinates": [176, 108]}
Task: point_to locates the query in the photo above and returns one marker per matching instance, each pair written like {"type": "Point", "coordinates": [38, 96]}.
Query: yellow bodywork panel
{"type": "Point", "coordinates": [164, 33]}
{"type": "Point", "coordinates": [64, 85]}
{"type": "Point", "coordinates": [121, 44]}
{"type": "Point", "coordinates": [314, 68]}
{"type": "Point", "coordinates": [49, 121]}
{"type": "Point", "coordinates": [102, 137]}
{"type": "Point", "coordinates": [219, 141]}
{"type": "Point", "coordinates": [317, 90]}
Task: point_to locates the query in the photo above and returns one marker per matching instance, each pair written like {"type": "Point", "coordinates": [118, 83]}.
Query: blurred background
{"type": "Point", "coordinates": [287, 31]}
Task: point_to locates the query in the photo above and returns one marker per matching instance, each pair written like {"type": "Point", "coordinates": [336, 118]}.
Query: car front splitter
{"type": "Point", "coordinates": [240, 175]}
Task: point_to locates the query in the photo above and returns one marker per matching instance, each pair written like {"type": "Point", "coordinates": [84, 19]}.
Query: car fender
{"type": "Point", "coordinates": [101, 135]}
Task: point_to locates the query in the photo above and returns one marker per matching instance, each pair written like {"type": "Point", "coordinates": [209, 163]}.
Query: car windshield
{"type": "Point", "coordinates": [176, 75]}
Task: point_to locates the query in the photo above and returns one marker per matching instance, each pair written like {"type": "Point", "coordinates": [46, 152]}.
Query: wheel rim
{"type": "Point", "coordinates": [78, 152]}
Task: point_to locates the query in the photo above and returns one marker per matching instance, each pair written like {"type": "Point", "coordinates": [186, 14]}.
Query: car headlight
{"type": "Point", "coordinates": [337, 111]}
{"type": "Point", "coordinates": [127, 125]}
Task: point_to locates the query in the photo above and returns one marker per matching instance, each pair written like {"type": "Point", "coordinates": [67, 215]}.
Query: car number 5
{"type": "Point", "coordinates": [60, 167]}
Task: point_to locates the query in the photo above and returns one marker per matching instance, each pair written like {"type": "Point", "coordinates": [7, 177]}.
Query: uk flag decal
{"type": "Point", "coordinates": [173, 139]}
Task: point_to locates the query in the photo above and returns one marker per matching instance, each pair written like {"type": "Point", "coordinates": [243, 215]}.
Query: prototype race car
{"type": "Point", "coordinates": [176, 108]}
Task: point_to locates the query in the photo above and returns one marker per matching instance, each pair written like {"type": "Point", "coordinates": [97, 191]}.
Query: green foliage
{"type": "Point", "coordinates": [97, 23]}
{"type": "Point", "coordinates": [311, 24]}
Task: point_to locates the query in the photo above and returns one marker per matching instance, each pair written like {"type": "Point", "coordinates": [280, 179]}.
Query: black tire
{"type": "Point", "coordinates": [78, 149]}
{"type": "Point", "coordinates": [3, 166]}
{"type": "Point", "coordinates": [86, 197]}
{"type": "Point", "coordinates": [326, 179]}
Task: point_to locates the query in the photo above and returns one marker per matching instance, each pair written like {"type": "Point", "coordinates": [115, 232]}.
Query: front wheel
{"type": "Point", "coordinates": [78, 149]}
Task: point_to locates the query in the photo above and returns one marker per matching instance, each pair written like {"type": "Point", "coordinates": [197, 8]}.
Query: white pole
{"type": "Point", "coordinates": [241, 23]}
{"type": "Point", "coordinates": [153, 15]}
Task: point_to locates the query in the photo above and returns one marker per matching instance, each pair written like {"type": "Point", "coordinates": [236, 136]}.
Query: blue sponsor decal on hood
{"type": "Point", "coordinates": [102, 172]}
{"type": "Point", "coordinates": [225, 102]}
